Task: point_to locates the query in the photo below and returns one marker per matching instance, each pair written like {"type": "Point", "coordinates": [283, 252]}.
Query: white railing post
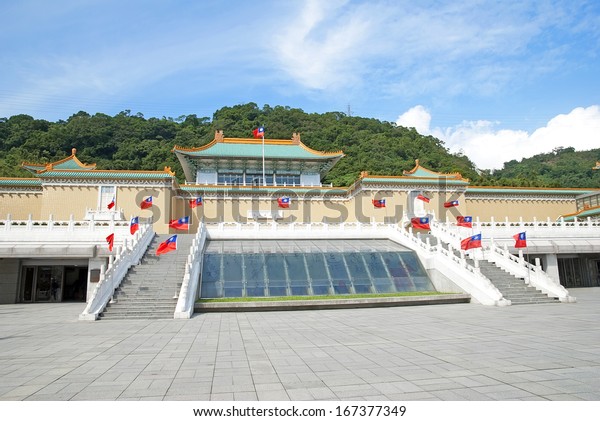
{"type": "Point", "coordinates": [521, 259]}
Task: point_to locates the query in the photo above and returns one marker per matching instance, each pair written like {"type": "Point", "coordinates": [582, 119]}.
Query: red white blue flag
{"type": "Point", "coordinates": [283, 202]}
{"type": "Point", "coordinates": [380, 203]}
{"type": "Point", "coordinates": [420, 223]}
{"type": "Point", "coordinates": [134, 225]}
{"type": "Point", "coordinates": [166, 246]}
{"type": "Point", "coordinates": [111, 204]}
{"type": "Point", "coordinates": [471, 242]}
{"type": "Point", "coordinates": [195, 202]}
{"type": "Point", "coordinates": [423, 198]}
{"type": "Point", "coordinates": [520, 240]}
{"type": "Point", "coordinates": [111, 241]}
{"type": "Point", "coordinates": [451, 204]}
{"type": "Point", "coordinates": [181, 223]}
{"type": "Point", "coordinates": [259, 132]}
{"type": "Point", "coordinates": [464, 221]}
{"type": "Point", "coordinates": [146, 203]}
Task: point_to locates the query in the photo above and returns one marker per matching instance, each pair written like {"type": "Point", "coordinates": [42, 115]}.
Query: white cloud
{"type": "Point", "coordinates": [402, 49]}
{"type": "Point", "coordinates": [417, 117]}
{"type": "Point", "coordinates": [320, 49]}
{"type": "Point", "coordinates": [490, 147]}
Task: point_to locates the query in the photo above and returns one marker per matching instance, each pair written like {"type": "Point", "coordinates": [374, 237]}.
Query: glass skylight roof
{"type": "Point", "coordinates": [276, 268]}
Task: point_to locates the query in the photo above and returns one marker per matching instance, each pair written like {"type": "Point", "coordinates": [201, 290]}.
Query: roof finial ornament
{"type": "Point", "coordinates": [73, 151]}
{"type": "Point", "coordinates": [219, 135]}
{"type": "Point", "coordinates": [296, 138]}
{"type": "Point", "coordinates": [417, 162]}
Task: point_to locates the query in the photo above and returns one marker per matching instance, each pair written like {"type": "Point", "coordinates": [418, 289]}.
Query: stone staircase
{"type": "Point", "coordinates": [512, 288]}
{"type": "Point", "coordinates": [148, 290]}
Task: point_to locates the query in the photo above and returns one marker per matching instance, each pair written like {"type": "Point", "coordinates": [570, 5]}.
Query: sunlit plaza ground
{"type": "Point", "coordinates": [436, 352]}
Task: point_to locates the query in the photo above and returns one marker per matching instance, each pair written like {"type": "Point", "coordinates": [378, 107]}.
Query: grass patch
{"type": "Point", "coordinates": [316, 297]}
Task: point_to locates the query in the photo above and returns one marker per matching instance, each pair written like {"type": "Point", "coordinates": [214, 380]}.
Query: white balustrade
{"type": "Point", "coordinates": [112, 275]}
{"type": "Point", "coordinates": [191, 278]}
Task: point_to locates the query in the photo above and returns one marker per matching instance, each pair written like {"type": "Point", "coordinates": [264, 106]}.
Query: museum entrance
{"type": "Point", "coordinates": [52, 284]}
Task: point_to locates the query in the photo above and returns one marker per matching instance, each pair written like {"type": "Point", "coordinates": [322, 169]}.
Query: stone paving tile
{"type": "Point", "coordinates": [446, 352]}
{"type": "Point", "coordinates": [222, 396]}
{"type": "Point", "coordinates": [273, 395]}
{"type": "Point", "coordinates": [245, 396]}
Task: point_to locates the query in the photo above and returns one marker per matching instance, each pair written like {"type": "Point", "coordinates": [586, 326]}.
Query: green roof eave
{"type": "Point", "coordinates": [253, 150]}
{"type": "Point", "coordinates": [20, 182]}
{"type": "Point", "coordinates": [95, 174]}
{"type": "Point", "coordinates": [584, 214]}
{"type": "Point", "coordinates": [415, 180]}
{"type": "Point", "coordinates": [497, 190]}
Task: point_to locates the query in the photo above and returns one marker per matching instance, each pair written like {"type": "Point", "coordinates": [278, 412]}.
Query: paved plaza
{"type": "Point", "coordinates": [464, 352]}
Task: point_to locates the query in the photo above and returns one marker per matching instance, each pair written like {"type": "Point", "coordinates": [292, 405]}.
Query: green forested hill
{"type": "Point", "coordinates": [564, 167]}
{"type": "Point", "coordinates": [130, 141]}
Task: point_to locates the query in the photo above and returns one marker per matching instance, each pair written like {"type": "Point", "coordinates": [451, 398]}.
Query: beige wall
{"type": "Point", "coordinates": [21, 205]}
{"type": "Point", "coordinates": [528, 209]}
{"type": "Point", "coordinates": [63, 201]}
{"type": "Point", "coordinates": [130, 197]}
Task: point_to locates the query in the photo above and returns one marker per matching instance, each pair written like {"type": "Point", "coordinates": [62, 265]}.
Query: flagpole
{"type": "Point", "coordinates": [263, 159]}
{"type": "Point", "coordinates": [191, 215]}
{"type": "Point", "coordinates": [528, 270]}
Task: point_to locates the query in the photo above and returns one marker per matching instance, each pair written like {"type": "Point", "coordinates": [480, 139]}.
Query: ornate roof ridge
{"type": "Point", "coordinates": [219, 138]}
{"type": "Point", "coordinates": [419, 167]}
{"type": "Point", "coordinates": [177, 148]}
{"type": "Point", "coordinates": [40, 168]}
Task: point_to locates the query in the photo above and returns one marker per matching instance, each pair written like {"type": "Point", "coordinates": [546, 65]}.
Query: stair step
{"type": "Point", "coordinates": [512, 288]}
{"type": "Point", "coordinates": [148, 289]}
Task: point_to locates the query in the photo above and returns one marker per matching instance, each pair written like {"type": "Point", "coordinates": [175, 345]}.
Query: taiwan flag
{"type": "Point", "coordinates": [111, 241]}
{"type": "Point", "coordinates": [423, 198]}
{"type": "Point", "coordinates": [195, 202]}
{"type": "Point", "coordinates": [420, 223]}
{"type": "Point", "coordinates": [134, 225]}
{"type": "Point", "coordinates": [464, 221]}
{"type": "Point", "coordinates": [166, 246]}
{"type": "Point", "coordinates": [146, 203]}
{"type": "Point", "coordinates": [181, 223]}
{"type": "Point", "coordinates": [111, 204]}
{"type": "Point", "coordinates": [283, 202]}
{"type": "Point", "coordinates": [471, 242]}
{"type": "Point", "coordinates": [451, 204]}
{"type": "Point", "coordinates": [379, 203]}
{"type": "Point", "coordinates": [520, 240]}
{"type": "Point", "coordinates": [259, 132]}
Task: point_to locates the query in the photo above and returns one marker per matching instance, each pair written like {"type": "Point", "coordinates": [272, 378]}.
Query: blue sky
{"type": "Point", "coordinates": [495, 80]}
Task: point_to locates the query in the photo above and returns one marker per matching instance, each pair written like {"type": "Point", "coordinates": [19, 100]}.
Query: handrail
{"type": "Point", "coordinates": [532, 274]}
{"type": "Point", "coordinates": [466, 276]}
{"type": "Point", "coordinates": [111, 276]}
{"type": "Point", "coordinates": [189, 287]}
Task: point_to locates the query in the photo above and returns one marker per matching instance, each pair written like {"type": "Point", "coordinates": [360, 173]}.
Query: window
{"type": "Point", "coordinates": [230, 178]}
{"type": "Point", "coordinates": [287, 180]}
{"type": "Point", "coordinates": [107, 195]}
{"type": "Point", "coordinates": [253, 179]}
